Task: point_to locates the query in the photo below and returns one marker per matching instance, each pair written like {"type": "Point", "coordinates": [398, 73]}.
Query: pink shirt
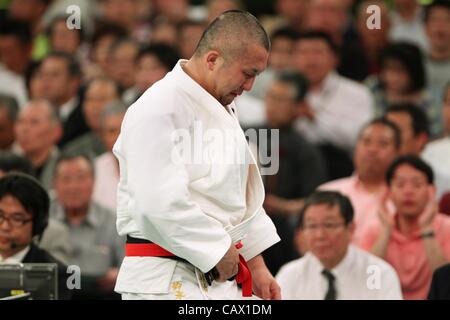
{"type": "Point", "coordinates": [407, 255]}
{"type": "Point", "coordinates": [365, 203]}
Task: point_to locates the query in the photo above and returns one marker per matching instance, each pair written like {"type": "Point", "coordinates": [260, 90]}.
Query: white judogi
{"type": "Point", "coordinates": [193, 210]}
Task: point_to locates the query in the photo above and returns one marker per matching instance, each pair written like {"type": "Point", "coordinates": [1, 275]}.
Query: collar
{"type": "Point", "coordinates": [17, 258]}
{"type": "Point", "coordinates": [91, 219]}
{"type": "Point", "coordinates": [197, 93]}
{"type": "Point", "coordinates": [341, 268]}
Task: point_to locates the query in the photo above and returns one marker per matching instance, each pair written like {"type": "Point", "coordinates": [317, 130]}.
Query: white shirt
{"type": "Point", "coordinates": [341, 108]}
{"type": "Point", "coordinates": [409, 31]}
{"type": "Point", "coordinates": [437, 155]}
{"type": "Point", "coordinates": [194, 210]}
{"type": "Point", "coordinates": [356, 277]}
{"type": "Point", "coordinates": [17, 258]}
{"type": "Point", "coordinates": [106, 181]}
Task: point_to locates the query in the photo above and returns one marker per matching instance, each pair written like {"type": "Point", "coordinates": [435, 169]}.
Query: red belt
{"type": "Point", "coordinates": [243, 277]}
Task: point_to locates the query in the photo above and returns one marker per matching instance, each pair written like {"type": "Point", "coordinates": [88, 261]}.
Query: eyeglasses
{"type": "Point", "coordinates": [328, 227]}
{"type": "Point", "coordinates": [15, 221]}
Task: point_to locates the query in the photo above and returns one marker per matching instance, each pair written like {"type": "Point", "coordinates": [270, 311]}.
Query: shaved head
{"type": "Point", "coordinates": [231, 33]}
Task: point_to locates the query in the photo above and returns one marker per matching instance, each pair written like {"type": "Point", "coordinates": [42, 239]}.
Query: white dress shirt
{"type": "Point", "coordinates": [437, 155]}
{"type": "Point", "coordinates": [340, 109]}
{"type": "Point", "coordinates": [194, 210]}
{"type": "Point", "coordinates": [360, 275]}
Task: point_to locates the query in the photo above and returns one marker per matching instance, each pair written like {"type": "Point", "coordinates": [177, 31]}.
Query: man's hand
{"type": "Point", "coordinates": [430, 211]}
{"type": "Point", "coordinates": [277, 205]}
{"type": "Point", "coordinates": [264, 284]}
{"type": "Point", "coordinates": [228, 266]}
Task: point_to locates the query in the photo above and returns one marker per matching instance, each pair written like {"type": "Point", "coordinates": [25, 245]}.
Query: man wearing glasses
{"type": "Point", "coordinates": [333, 268]}
{"type": "Point", "coordinates": [24, 206]}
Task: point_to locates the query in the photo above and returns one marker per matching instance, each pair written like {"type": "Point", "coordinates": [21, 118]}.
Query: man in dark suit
{"type": "Point", "coordinates": [24, 206]}
{"type": "Point", "coordinates": [440, 284]}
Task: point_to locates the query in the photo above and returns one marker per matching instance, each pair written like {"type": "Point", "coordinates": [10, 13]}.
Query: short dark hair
{"type": "Point", "coordinates": [167, 55]}
{"type": "Point", "coordinates": [418, 117]}
{"type": "Point", "coordinates": [445, 4]}
{"type": "Point", "coordinates": [106, 28]}
{"type": "Point", "coordinates": [232, 24]}
{"type": "Point", "coordinates": [297, 81]}
{"type": "Point", "coordinates": [73, 66]}
{"type": "Point", "coordinates": [319, 35]}
{"type": "Point", "coordinates": [387, 123]}
{"type": "Point", "coordinates": [410, 56]}
{"type": "Point", "coordinates": [11, 162]}
{"type": "Point", "coordinates": [413, 161]}
{"type": "Point", "coordinates": [284, 32]}
{"type": "Point", "coordinates": [331, 198]}
{"type": "Point", "coordinates": [31, 195]}
{"type": "Point", "coordinates": [16, 28]}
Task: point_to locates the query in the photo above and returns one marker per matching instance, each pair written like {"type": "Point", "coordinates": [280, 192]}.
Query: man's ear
{"type": "Point", "coordinates": [213, 59]}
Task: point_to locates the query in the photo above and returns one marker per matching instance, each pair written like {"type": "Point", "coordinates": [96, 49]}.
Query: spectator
{"type": "Point", "coordinates": [174, 11]}
{"type": "Point", "coordinates": [106, 165]}
{"type": "Point", "coordinates": [98, 249]}
{"type": "Point", "coordinates": [63, 39]}
{"type": "Point", "coordinates": [60, 77]}
{"type": "Point", "coordinates": [8, 116]}
{"type": "Point", "coordinates": [30, 11]}
{"type": "Point", "coordinates": [37, 131]}
{"type": "Point", "coordinates": [216, 7]}
{"type": "Point", "coordinates": [437, 62]}
{"type": "Point", "coordinates": [407, 23]}
{"type": "Point", "coordinates": [15, 54]}
{"type": "Point", "coordinates": [415, 238]}
{"type": "Point", "coordinates": [55, 238]}
{"type": "Point", "coordinates": [301, 167]}
{"type": "Point", "coordinates": [378, 145]}
{"type": "Point", "coordinates": [282, 46]}
{"type": "Point", "coordinates": [333, 18]}
{"type": "Point", "coordinates": [122, 65]}
{"type": "Point", "coordinates": [372, 40]}
{"type": "Point", "coordinates": [189, 33]}
{"type": "Point", "coordinates": [99, 92]}
{"type": "Point", "coordinates": [334, 269]}
{"type": "Point", "coordinates": [24, 206]}
{"type": "Point", "coordinates": [402, 80]}
{"type": "Point", "coordinates": [339, 107]}
{"type": "Point", "coordinates": [153, 63]}
{"type": "Point", "coordinates": [413, 125]}
{"type": "Point", "coordinates": [105, 35]}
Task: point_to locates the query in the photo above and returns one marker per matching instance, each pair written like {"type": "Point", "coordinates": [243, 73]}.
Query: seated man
{"type": "Point", "coordinates": [333, 268]}
{"type": "Point", "coordinates": [415, 239]}
{"type": "Point", "coordinates": [97, 248]}
{"type": "Point", "coordinates": [24, 205]}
